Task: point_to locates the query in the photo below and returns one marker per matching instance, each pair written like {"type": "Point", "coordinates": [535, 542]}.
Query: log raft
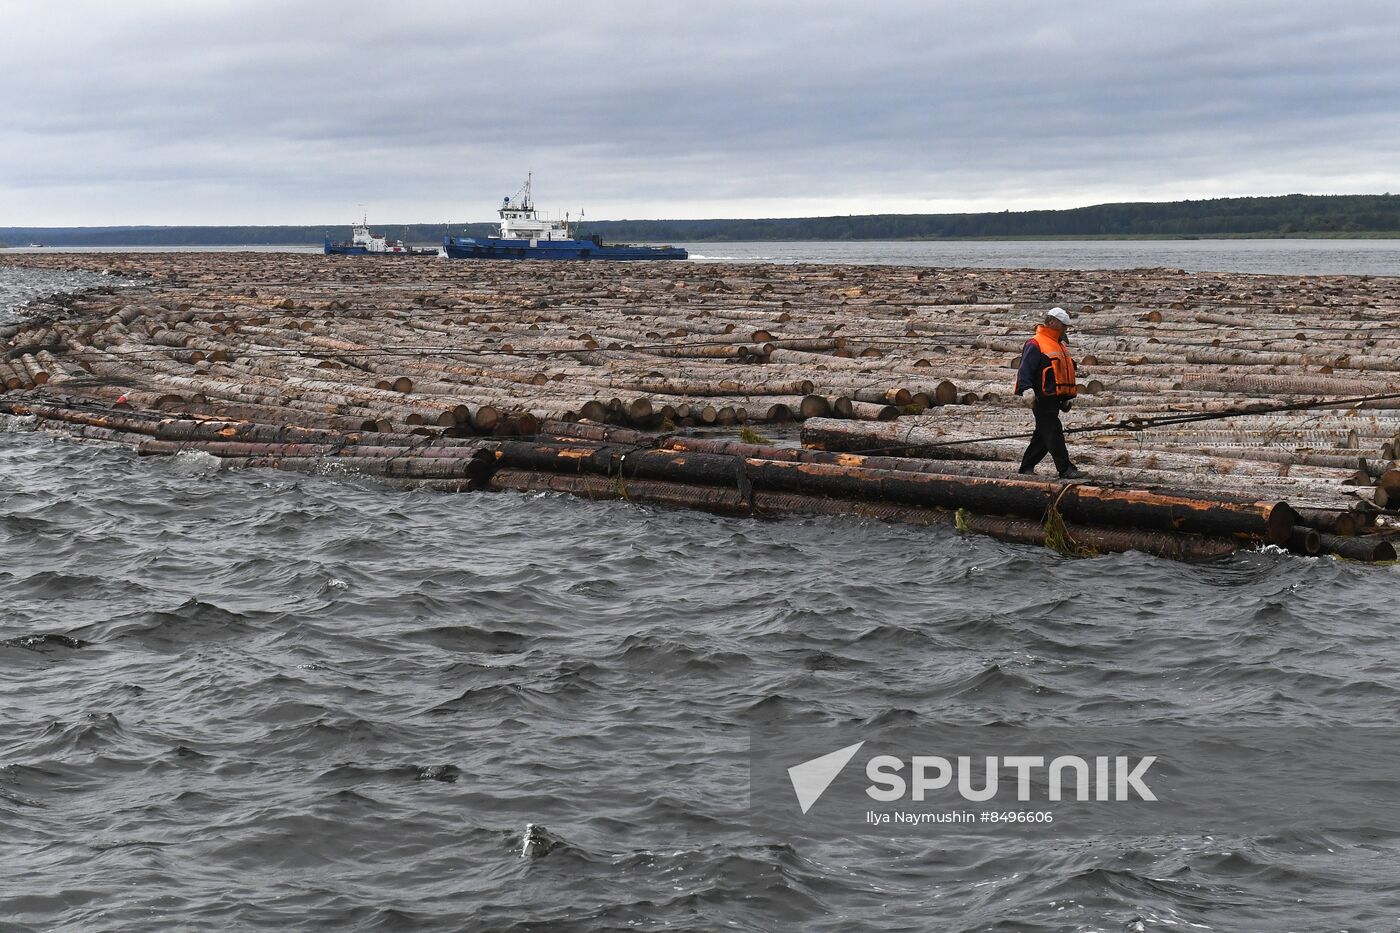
{"type": "Point", "coordinates": [590, 379]}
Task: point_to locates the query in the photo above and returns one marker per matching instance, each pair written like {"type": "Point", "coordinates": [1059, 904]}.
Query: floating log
{"type": "Point", "coordinates": [1330, 521]}
{"type": "Point", "coordinates": [435, 353]}
{"type": "Point", "coordinates": [1304, 540]}
{"type": "Point", "coordinates": [1367, 548]}
{"type": "Point", "coordinates": [731, 502]}
{"type": "Point", "coordinates": [9, 379]}
{"type": "Point", "coordinates": [474, 469]}
{"type": "Point", "coordinates": [869, 411]}
{"type": "Point", "coordinates": [1269, 521]}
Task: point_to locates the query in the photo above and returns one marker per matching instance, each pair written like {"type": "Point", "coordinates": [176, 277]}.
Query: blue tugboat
{"type": "Point", "coordinates": [524, 235]}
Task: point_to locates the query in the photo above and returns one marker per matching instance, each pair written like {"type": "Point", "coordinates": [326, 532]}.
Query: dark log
{"type": "Point", "coordinates": [731, 502]}
{"type": "Point", "coordinates": [1389, 482]}
{"type": "Point", "coordinates": [1269, 521]}
{"type": "Point", "coordinates": [805, 455]}
{"type": "Point", "coordinates": [1303, 540]}
{"type": "Point", "coordinates": [1330, 521]}
{"type": "Point", "coordinates": [1184, 547]}
{"type": "Point", "coordinates": [1368, 548]}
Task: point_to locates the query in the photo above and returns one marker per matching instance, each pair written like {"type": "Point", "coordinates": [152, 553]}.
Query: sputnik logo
{"type": "Point", "coordinates": [811, 778]}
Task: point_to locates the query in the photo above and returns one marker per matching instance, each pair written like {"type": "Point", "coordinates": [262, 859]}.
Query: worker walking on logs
{"type": "Point", "coordinates": [1047, 370]}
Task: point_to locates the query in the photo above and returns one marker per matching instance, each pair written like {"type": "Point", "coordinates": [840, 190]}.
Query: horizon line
{"type": "Point", "coordinates": [447, 223]}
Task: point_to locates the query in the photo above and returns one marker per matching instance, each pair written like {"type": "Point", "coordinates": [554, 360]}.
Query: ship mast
{"type": "Point", "coordinates": [521, 202]}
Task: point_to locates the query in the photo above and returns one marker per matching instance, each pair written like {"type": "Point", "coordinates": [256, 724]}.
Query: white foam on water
{"type": "Point", "coordinates": [17, 422]}
{"type": "Point", "coordinates": [195, 462]}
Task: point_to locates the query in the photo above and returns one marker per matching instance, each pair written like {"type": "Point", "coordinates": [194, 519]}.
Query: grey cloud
{"type": "Point", "coordinates": [260, 112]}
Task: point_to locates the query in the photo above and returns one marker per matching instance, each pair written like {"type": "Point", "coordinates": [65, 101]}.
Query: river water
{"type": "Point", "coordinates": [1273, 257]}
{"type": "Point", "coordinates": [247, 700]}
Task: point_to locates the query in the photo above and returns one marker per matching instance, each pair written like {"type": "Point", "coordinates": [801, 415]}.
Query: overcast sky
{"type": "Point", "coordinates": [248, 112]}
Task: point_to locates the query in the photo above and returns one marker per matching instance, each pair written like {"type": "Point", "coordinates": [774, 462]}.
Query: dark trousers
{"type": "Point", "coordinates": [1049, 437]}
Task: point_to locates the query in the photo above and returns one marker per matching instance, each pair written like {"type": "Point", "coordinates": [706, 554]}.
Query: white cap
{"type": "Point", "coordinates": [1059, 314]}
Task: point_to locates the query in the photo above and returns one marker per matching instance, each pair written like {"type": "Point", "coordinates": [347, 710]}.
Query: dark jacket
{"type": "Point", "coordinates": [1032, 374]}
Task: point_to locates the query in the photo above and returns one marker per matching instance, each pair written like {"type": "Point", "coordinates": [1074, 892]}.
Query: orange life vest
{"type": "Point", "coordinates": [1061, 367]}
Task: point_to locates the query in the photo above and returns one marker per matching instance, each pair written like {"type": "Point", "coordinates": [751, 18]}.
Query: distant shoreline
{"type": "Point", "coordinates": [1047, 238]}
{"type": "Point", "coordinates": [1292, 216]}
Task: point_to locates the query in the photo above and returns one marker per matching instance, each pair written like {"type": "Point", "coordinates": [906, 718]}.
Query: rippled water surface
{"type": "Point", "coordinates": [238, 700]}
{"type": "Point", "coordinates": [18, 286]}
{"type": "Point", "coordinates": [1273, 257]}
{"type": "Point", "coordinates": [250, 699]}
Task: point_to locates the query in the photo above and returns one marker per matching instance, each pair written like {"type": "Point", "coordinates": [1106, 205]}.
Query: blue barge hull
{"type": "Point", "coordinates": [498, 248]}
{"type": "Point", "coordinates": [344, 249]}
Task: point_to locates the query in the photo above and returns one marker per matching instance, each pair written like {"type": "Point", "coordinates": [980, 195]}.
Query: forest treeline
{"type": "Point", "coordinates": [1284, 215]}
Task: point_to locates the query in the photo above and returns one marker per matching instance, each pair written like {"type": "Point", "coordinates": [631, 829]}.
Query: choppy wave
{"type": "Point", "coordinates": [254, 699]}
{"type": "Point", "coordinates": [19, 286]}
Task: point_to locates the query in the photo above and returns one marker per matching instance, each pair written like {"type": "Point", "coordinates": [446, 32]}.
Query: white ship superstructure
{"type": "Point", "coordinates": [520, 220]}
{"type": "Point", "coordinates": [526, 235]}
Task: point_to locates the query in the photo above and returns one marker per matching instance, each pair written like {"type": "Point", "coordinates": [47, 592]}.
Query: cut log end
{"type": "Point", "coordinates": [1281, 521]}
